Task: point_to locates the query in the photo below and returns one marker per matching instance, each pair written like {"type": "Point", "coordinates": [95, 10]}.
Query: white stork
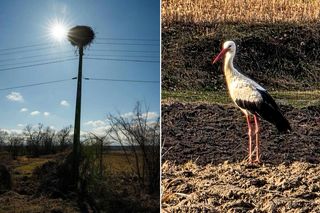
{"type": "Point", "coordinates": [250, 97]}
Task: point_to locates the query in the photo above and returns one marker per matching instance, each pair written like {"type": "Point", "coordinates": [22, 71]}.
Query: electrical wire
{"type": "Point", "coordinates": [132, 51]}
{"type": "Point", "coordinates": [121, 80]}
{"type": "Point", "coordinates": [36, 84]}
{"type": "Point", "coordinates": [69, 59]}
{"type": "Point", "coordinates": [68, 79]}
{"type": "Point", "coordinates": [22, 51]}
{"type": "Point", "coordinates": [119, 59]}
{"type": "Point", "coordinates": [34, 56]}
{"type": "Point", "coordinates": [98, 50]}
{"type": "Point", "coordinates": [39, 64]}
{"type": "Point", "coordinates": [127, 44]}
{"type": "Point", "coordinates": [127, 39]}
{"type": "Point", "coordinates": [67, 55]}
{"type": "Point", "coordinates": [129, 56]}
{"type": "Point", "coordinates": [25, 46]}
{"type": "Point", "coordinates": [35, 61]}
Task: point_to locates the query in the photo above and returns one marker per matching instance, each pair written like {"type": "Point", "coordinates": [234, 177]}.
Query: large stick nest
{"type": "Point", "coordinates": [81, 36]}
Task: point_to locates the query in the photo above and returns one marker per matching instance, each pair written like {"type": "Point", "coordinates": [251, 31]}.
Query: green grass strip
{"type": "Point", "coordinates": [298, 99]}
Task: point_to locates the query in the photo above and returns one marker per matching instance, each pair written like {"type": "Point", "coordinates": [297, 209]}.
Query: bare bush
{"type": "Point", "coordinates": [33, 138]}
{"type": "Point", "coordinates": [3, 139]}
{"type": "Point", "coordinates": [139, 135]}
{"type": "Point", "coordinates": [63, 138]}
{"type": "Point", "coordinates": [15, 145]}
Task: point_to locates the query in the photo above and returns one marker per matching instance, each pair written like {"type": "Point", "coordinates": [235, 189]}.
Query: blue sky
{"type": "Point", "coordinates": [25, 41]}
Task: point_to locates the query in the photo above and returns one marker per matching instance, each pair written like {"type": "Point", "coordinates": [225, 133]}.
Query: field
{"type": "Point", "coordinates": [243, 11]}
{"type": "Point", "coordinates": [204, 136]}
{"type": "Point", "coordinates": [24, 196]}
{"type": "Point", "coordinates": [29, 195]}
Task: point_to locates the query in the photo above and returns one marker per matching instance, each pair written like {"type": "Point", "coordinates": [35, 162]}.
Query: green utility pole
{"type": "Point", "coordinates": [79, 36]}
{"type": "Point", "coordinates": [76, 135]}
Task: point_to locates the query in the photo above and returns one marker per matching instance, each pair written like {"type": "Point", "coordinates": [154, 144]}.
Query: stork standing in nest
{"type": "Point", "coordinates": [251, 98]}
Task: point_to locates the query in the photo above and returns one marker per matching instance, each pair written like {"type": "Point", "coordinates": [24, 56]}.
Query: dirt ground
{"type": "Point", "coordinates": [204, 167]}
{"type": "Point", "coordinates": [41, 185]}
{"type": "Point", "coordinates": [24, 196]}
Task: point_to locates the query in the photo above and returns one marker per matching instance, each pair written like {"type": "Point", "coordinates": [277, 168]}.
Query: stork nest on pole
{"type": "Point", "coordinates": [81, 36]}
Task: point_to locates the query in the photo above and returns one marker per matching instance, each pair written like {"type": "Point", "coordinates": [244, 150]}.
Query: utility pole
{"type": "Point", "coordinates": [79, 36]}
{"type": "Point", "coordinates": [76, 134]}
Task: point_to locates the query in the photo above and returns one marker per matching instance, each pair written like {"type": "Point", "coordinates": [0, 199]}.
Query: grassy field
{"type": "Point", "coordinates": [245, 11]}
{"type": "Point", "coordinates": [24, 198]}
{"type": "Point", "coordinates": [25, 166]}
{"type": "Point", "coordinates": [115, 162]}
{"type": "Point", "coordinates": [297, 99]}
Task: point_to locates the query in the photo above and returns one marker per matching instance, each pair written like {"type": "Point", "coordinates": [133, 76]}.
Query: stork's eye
{"type": "Point", "coordinates": [229, 46]}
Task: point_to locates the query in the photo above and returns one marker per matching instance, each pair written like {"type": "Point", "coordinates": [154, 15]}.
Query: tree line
{"type": "Point", "coordinates": [138, 135]}
{"type": "Point", "coordinates": [35, 141]}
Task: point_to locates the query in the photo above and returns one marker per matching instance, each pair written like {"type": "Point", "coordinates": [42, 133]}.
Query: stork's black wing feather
{"type": "Point", "coordinates": [266, 109]}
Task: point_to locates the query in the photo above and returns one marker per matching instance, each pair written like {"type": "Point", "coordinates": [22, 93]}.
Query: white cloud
{"type": "Point", "coordinates": [82, 133]}
{"type": "Point", "coordinates": [128, 115]}
{"type": "Point", "coordinates": [23, 110]}
{"type": "Point", "coordinates": [20, 125]}
{"type": "Point", "coordinates": [15, 96]}
{"type": "Point", "coordinates": [97, 123]}
{"type": "Point", "coordinates": [150, 115]}
{"type": "Point", "coordinates": [35, 113]}
{"type": "Point", "coordinates": [46, 113]}
{"type": "Point", "coordinates": [64, 103]}
{"type": "Point", "coordinates": [100, 131]}
{"type": "Point", "coordinates": [12, 131]}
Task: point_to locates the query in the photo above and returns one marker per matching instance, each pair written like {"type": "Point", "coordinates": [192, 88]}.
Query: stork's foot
{"type": "Point", "coordinates": [257, 161]}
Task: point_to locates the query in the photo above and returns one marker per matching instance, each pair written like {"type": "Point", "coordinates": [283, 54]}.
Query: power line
{"type": "Point", "coordinates": [35, 61]}
{"type": "Point", "coordinates": [35, 84]}
{"type": "Point", "coordinates": [133, 44]}
{"type": "Point", "coordinates": [100, 50]}
{"type": "Point", "coordinates": [108, 39]}
{"type": "Point", "coordinates": [34, 56]}
{"type": "Point", "coordinates": [39, 64]}
{"type": "Point", "coordinates": [127, 39]}
{"type": "Point", "coordinates": [25, 46]}
{"type": "Point", "coordinates": [67, 56]}
{"type": "Point", "coordinates": [121, 80]}
{"type": "Point", "coordinates": [132, 51]}
{"type": "Point", "coordinates": [129, 56]}
{"type": "Point", "coordinates": [118, 59]}
{"type": "Point", "coordinates": [22, 51]}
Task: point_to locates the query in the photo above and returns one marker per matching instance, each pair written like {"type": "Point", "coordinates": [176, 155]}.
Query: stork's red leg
{"type": "Point", "coordinates": [257, 139]}
{"type": "Point", "coordinates": [250, 142]}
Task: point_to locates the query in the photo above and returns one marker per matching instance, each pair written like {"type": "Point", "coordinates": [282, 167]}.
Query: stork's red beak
{"type": "Point", "coordinates": [219, 56]}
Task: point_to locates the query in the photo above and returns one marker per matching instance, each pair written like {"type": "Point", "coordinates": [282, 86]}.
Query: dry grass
{"type": "Point", "coordinates": [25, 166]}
{"type": "Point", "coordinates": [247, 11]}
{"type": "Point", "coordinates": [12, 202]}
{"type": "Point", "coordinates": [116, 162]}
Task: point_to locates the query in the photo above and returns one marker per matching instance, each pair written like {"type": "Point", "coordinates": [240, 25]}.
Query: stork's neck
{"type": "Point", "coordinates": [229, 70]}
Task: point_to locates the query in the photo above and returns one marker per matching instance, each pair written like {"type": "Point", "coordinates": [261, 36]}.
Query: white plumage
{"type": "Point", "coordinates": [250, 97]}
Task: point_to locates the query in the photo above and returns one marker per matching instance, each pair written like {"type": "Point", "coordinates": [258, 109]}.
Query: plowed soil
{"type": "Point", "coordinates": [204, 161]}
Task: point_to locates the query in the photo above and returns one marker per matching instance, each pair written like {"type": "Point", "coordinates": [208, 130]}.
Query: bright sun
{"type": "Point", "coordinates": [58, 31]}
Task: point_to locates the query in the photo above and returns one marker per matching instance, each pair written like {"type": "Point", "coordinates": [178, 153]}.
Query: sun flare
{"type": "Point", "coordinates": [59, 31]}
